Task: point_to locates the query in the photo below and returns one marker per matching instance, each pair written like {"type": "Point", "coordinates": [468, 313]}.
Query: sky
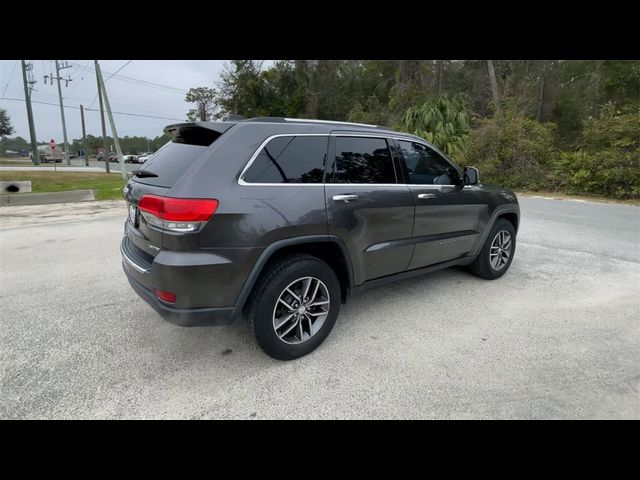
{"type": "Point", "coordinates": [125, 95]}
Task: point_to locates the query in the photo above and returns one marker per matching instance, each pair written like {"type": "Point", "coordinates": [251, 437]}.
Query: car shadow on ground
{"type": "Point", "coordinates": [235, 342]}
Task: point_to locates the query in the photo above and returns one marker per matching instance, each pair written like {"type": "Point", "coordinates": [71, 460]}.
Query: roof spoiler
{"type": "Point", "coordinates": [219, 127]}
{"type": "Point", "coordinates": [197, 133]}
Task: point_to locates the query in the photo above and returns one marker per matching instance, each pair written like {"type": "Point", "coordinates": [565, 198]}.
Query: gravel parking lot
{"type": "Point", "coordinates": [557, 337]}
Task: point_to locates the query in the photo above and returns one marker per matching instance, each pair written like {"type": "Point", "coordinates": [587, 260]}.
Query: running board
{"type": "Point", "coordinates": [377, 282]}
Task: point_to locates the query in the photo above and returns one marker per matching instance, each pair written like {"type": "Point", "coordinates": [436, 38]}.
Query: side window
{"type": "Point", "coordinates": [363, 160]}
{"type": "Point", "coordinates": [289, 160]}
{"type": "Point", "coordinates": [426, 167]}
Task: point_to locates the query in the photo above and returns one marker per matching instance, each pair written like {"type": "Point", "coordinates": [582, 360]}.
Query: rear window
{"type": "Point", "coordinates": [173, 159]}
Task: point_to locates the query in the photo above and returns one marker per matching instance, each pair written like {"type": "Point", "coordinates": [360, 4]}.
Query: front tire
{"type": "Point", "coordinates": [294, 306]}
{"type": "Point", "coordinates": [497, 253]}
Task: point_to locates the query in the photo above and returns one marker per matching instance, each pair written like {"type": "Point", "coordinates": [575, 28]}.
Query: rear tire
{"type": "Point", "coordinates": [497, 253]}
{"type": "Point", "coordinates": [294, 306]}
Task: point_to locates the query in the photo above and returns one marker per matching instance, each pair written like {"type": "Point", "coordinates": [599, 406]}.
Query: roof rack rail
{"type": "Point", "coordinates": [330, 121]}
{"type": "Point", "coordinates": [264, 119]}
{"type": "Point", "coordinates": [233, 117]}
{"type": "Point", "coordinates": [307, 120]}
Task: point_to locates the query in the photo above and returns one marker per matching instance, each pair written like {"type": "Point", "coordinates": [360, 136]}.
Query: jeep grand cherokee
{"type": "Point", "coordinates": [278, 221]}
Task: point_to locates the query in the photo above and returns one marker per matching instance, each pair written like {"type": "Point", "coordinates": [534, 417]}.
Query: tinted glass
{"type": "Point", "coordinates": [363, 160]}
{"type": "Point", "coordinates": [289, 160]}
{"type": "Point", "coordinates": [170, 162]}
{"type": "Point", "coordinates": [426, 167]}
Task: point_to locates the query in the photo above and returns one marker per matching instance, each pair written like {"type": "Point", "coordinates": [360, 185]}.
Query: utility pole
{"type": "Point", "coordinates": [64, 124]}
{"type": "Point", "coordinates": [84, 138]}
{"type": "Point", "coordinates": [32, 129]}
{"type": "Point", "coordinates": [113, 125]}
{"type": "Point", "coordinates": [107, 167]}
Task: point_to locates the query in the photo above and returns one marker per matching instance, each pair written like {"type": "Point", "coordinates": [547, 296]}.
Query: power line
{"type": "Point", "coordinates": [10, 75]}
{"type": "Point", "coordinates": [113, 74]}
{"type": "Point", "coordinates": [77, 83]}
{"type": "Point", "coordinates": [150, 84]}
{"type": "Point", "coordinates": [155, 107]}
{"type": "Point", "coordinates": [141, 82]}
{"type": "Point", "coordinates": [95, 110]}
{"type": "Point", "coordinates": [47, 93]}
{"type": "Point", "coordinates": [137, 115]}
{"type": "Point", "coordinates": [82, 100]}
{"type": "Point", "coordinates": [75, 71]}
{"type": "Point", "coordinates": [94, 98]}
{"type": "Point", "coordinates": [156, 86]}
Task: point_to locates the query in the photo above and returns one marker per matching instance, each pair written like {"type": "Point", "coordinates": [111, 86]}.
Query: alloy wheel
{"type": "Point", "coordinates": [301, 310]}
{"type": "Point", "coordinates": [500, 250]}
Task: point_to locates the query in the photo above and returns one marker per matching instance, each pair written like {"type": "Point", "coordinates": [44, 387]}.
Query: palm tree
{"type": "Point", "coordinates": [442, 121]}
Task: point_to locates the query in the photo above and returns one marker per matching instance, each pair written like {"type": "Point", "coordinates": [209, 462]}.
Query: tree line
{"type": "Point", "coordinates": [571, 126]}
{"type": "Point", "coordinates": [129, 145]}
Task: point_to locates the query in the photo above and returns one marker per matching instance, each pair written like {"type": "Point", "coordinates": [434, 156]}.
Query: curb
{"type": "Point", "coordinates": [47, 198]}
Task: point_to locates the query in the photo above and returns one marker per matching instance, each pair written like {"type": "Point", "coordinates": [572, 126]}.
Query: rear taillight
{"type": "Point", "coordinates": [177, 214]}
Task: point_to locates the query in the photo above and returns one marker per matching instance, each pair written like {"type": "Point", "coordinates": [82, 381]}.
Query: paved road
{"type": "Point", "coordinates": [557, 337]}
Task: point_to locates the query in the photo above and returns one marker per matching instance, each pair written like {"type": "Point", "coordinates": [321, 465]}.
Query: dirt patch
{"type": "Point", "coordinates": [12, 217]}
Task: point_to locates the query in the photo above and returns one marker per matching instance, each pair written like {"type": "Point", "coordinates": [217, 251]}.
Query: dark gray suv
{"type": "Point", "coordinates": [280, 220]}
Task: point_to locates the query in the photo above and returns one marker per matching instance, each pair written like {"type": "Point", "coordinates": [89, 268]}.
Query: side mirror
{"type": "Point", "coordinates": [471, 176]}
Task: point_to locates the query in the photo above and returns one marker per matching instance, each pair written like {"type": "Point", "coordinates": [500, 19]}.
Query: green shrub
{"type": "Point", "coordinates": [608, 161]}
{"type": "Point", "coordinates": [442, 121]}
{"type": "Point", "coordinates": [512, 150]}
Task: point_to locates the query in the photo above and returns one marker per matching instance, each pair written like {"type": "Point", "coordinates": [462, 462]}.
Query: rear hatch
{"type": "Point", "coordinates": [159, 173]}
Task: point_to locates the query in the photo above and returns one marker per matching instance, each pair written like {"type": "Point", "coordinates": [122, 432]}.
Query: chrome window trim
{"type": "Point", "coordinates": [242, 182]}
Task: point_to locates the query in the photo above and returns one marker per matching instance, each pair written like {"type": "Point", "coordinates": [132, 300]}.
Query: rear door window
{"type": "Point", "coordinates": [362, 160]}
{"type": "Point", "coordinates": [289, 159]}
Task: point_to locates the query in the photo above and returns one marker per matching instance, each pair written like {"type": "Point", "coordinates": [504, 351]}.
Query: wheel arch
{"type": "Point", "coordinates": [510, 213]}
{"type": "Point", "coordinates": [511, 216]}
{"type": "Point", "coordinates": [328, 248]}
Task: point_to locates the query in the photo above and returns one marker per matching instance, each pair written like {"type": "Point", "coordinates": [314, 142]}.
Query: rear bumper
{"type": "Point", "coordinates": [200, 278]}
{"type": "Point", "coordinates": [185, 317]}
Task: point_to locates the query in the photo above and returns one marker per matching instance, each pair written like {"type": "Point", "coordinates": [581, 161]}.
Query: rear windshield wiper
{"type": "Point", "coordinates": [144, 173]}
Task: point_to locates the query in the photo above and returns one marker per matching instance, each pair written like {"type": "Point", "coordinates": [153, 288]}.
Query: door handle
{"type": "Point", "coordinates": [345, 198]}
{"type": "Point", "coordinates": [426, 196]}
